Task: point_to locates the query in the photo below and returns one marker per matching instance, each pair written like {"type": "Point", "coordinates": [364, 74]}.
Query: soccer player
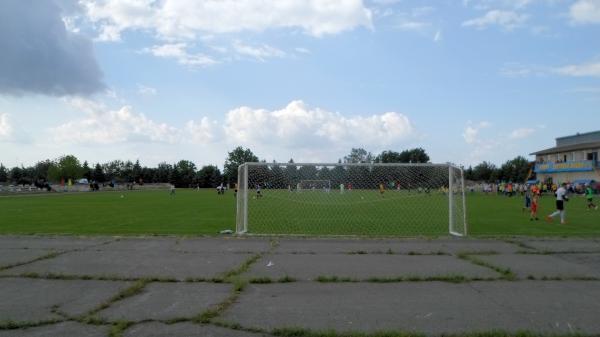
{"type": "Point", "coordinates": [258, 194]}
{"type": "Point", "coordinates": [589, 195]}
{"type": "Point", "coordinates": [534, 207]}
{"type": "Point", "coordinates": [561, 197]}
{"type": "Point", "coordinates": [527, 200]}
{"type": "Point", "coordinates": [172, 190]}
{"type": "Point", "coordinates": [381, 189]}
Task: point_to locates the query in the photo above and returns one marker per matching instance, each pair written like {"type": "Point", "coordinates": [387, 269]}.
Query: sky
{"type": "Point", "coordinates": [164, 80]}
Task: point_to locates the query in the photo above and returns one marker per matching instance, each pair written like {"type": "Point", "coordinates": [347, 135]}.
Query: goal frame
{"type": "Point", "coordinates": [453, 198]}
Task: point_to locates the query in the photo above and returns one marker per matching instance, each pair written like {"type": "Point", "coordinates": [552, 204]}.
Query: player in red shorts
{"type": "Point", "coordinates": [534, 206]}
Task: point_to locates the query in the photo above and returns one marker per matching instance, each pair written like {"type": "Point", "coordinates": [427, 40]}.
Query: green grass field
{"type": "Point", "coordinates": [192, 212]}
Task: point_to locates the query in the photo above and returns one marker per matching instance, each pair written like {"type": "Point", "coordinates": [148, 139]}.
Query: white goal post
{"type": "Point", "coordinates": [368, 199]}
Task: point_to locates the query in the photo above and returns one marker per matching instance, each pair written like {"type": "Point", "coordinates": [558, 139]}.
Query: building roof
{"type": "Point", "coordinates": [567, 148]}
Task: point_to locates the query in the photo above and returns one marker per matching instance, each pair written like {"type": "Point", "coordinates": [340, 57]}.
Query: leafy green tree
{"type": "Point", "coordinates": [67, 167]}
{"type": "Point", "coordinates": [485, 172]}
{"type": "Point", "coordinates": [137, 171]}
{"type": "Point", "coordinates": [3, 174]}
{"type": "Point", "coordinates": [185, 173]}
{"type": "Point", "coordinates": [163, 173]}
{"type": "Point", "coordinates": [358, 155]}
{"type": "Point", "coordinates": [515, 170]}
{"type": "Point", "coordinates": [415, 156]}
{"type": "Point", "coordinates": [41, 169]}
{"type": "Point", "coordinates": [98, 174]}
{"type": "Point", "coordinates": [235, 158]}
{"type": "Point", "coordinates": [209, 176]}
{"type": "Point", "coordinates": [388, 157]}
{"type": "Point", "coordinates": [16, 175]}
{"type": "Point", "coordinates": [87, 171]}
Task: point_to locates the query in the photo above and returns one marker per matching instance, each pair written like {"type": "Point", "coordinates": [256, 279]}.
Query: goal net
{"type": "Point", "coordinates": [351, 199]}
{"type": "Point", "coordinates": [313, 185]}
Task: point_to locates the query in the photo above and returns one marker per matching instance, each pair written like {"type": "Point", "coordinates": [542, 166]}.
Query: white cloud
{"type": "Point", "coordinates": [186, 19]}
{"type": "Point", "coordinates": [438, 36]}
{"type": "Point", "coordinates": [508, 20]}
{"type": "Point", "coordinates": [178, 51]}
{"type": "Point", "coordinates": [146, 90]}
{"type": "Point", "coordinates": [521, 133]}
{"type": "Point", "coordinates": [591, 69]}
{"type": "Point", "coordinates": [413, 25]}
{"type": "Point", "coordinates": [295, 130]}
{"type": "Point", "coordinates": [202, 132]}
{"type": "Point", "coordinates": [260, 53]}
{"type": "Point", "coordinates": [585, 11]}
{"type": "Point", "coordinates": [471, 132]}
{"type": "Point", "coordinates": [115, 126]}
{"type": "Point", "coordinates": [302, 50]}
{"type": "Point", "coordinates": [487, 4]}
{"type": "Point", "coordinates": [6, 129]}
{"type": "Point", "coordinates": [300, 126]}
{"type": "Point", "coordinates": [101, 125]}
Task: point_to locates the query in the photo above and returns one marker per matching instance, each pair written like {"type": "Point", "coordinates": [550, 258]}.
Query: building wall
{"type": "Point", "coordinates": [564, 177]}
{"type": "Point", "coordinates": [571, 156]}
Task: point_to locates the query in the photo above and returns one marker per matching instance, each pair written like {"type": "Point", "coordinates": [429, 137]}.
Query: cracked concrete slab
{"type": "Point", "coordinates": [309, 267]}
{"type": "Point", "coordinates": [144, 263]}
{"type": "Point", "coordinates": [550, 306]}
{"type": "Point", "coordinates": [224, 245]}
{"type": "Point", "coordinates": [32, 300]}
{"type": "Point", "coordinates": [59, 330]}
{"type": "Point", "coordinates": [405, 246]}
{"type": "Point", "coordinates": [9, 257]}
{"type": "Point", "coordinates": [433, 308]}
{"type": "Point", "coordinates": [564, 245]}
{"type": "Point", "coordinates": [167, 301]}
{"type": "Point", "coordinates": [541, 266]}
{"type": "Point", "coordinates": [430, 307]}
{"type": "Point", "coordinates": [183, 330]}
{"type": "Point", "coordinates": [589, 260]}
{"type": "Point", "coordinates": [59, 243]}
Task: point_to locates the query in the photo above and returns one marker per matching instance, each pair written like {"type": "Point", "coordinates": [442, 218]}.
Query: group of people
{"type": "Point", "coordinates": [533, 194]}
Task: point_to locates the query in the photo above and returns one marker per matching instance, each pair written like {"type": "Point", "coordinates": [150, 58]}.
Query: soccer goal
{"type": "Point", "coordinates": [351, 199]}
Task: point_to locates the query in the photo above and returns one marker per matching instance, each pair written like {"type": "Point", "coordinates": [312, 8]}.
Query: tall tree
{"type": "Point", "coordinates": [185, 173]}
{"type": "Point", "coordinates": [485, 172]}
{"type": "Point", "coordinates": [358, 155]}
{"type": "Point", "coordinates": [87, 171]}
{"type": "Point", "coordinates": [209, 176]}
{"type": "Point", "coordinates": [235, 158]}
{"type": "Point", "coordinates": [3, 174]}
{"type": "Point", "coordinates": [388, 157]}
{"type": "Point", "coordinates": [415, 156]}
{"type": "Point", "coordinates": [66, 167]}
{"type": "Point", "coordinates": [98, 174]}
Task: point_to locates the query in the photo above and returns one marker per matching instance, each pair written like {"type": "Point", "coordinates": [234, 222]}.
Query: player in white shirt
{"type": "Point", "coordinates": [561, 197]}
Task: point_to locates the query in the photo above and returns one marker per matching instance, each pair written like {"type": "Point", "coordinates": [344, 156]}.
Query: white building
{"type": "Point", "coordinates": [574, 159]}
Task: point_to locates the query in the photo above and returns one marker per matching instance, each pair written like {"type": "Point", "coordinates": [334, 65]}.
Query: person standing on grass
{"type": "Point", "coordinates": [534, 207]}
{"type": "Point", "coordinates": [172, 189]}
{"type": "Point", "coordinates": [589, 195]}
{"type": "Point", "coordinates": [561, 197]}
{"type": "Point", "coordinates": [527, 200]}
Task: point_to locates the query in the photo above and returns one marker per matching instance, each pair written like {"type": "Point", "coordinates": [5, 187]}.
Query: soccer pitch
{"type": "Point", "coordinates": [192, 212]}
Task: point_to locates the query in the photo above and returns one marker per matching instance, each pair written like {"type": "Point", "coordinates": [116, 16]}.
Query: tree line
{"type": "Point", "coordinates": [185, 173]}
{"type": "Point", "coordinates": [517, 170]}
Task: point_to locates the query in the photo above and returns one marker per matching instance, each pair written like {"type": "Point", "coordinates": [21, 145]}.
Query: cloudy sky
{"type": "Point", "coordinates": [162, 80]}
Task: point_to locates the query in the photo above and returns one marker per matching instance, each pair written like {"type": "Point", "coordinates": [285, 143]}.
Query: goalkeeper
{"type": "Point", "coordinates": [589, 195]}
